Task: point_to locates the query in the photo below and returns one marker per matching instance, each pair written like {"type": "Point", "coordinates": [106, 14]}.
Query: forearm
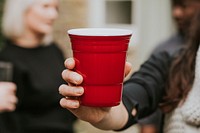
{"type": "Point", "coordinates": [146, 87]}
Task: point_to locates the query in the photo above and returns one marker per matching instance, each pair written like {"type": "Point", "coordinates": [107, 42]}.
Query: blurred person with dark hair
{"type": "Point", "coordinates": [38, 62]}
{"type": "Point", "coordinates": [182, 12]}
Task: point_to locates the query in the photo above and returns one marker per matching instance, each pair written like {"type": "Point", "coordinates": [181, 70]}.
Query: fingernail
{"type": "Point", "coordinates": [75, 104]}
{"type": "Point", "coordinates": [79, 90]}
{"type": "Point", "coordinates": [77, 79]}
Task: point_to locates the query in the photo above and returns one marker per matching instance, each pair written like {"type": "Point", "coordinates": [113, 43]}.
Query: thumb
{"type": "Point", "coordinates": [128, 68]}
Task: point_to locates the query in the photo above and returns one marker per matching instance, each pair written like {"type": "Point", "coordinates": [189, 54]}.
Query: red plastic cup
{"type": "Point", "coordinates": [100, 55]}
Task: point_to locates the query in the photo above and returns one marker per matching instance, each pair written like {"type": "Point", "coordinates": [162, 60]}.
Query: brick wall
{"type": "Point", "coordinates": [72, 14]}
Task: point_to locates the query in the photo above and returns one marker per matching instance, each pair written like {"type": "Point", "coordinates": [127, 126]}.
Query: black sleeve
{"type": "Point", "coordinates": [146, 87]}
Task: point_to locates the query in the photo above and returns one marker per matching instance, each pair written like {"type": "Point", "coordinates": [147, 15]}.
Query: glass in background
{"type": "Point", "coordinates": [6, 70]}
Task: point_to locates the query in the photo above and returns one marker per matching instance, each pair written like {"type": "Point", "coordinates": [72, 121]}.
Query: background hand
{"type": "Point", "coordinates": [8, 99]}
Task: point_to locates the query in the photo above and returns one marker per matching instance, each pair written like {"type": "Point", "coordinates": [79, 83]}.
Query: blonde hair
{"type": "Point", "coordinates": [13, 19]}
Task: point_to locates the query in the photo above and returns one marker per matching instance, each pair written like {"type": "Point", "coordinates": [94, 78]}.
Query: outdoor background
{"type": "Point", "coordinates": [150, 21]}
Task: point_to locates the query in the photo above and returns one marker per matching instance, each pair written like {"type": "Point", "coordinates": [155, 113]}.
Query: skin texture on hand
{"type": "Point", "coordinates": [109, 118]}
{"type": "Point", "coordinates": [8, 99]}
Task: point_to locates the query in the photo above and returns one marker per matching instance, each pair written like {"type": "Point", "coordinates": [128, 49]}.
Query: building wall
{"type": "Point", "coordinates": [72, 14]}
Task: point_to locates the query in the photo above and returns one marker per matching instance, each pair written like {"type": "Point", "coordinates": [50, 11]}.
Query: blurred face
{"type": "Point", "coordinates": [40, 16]}
{"type": "Point", "coordinates": [183, 11]}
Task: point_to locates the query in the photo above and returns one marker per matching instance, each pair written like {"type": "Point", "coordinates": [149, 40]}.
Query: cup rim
{"type": "Point", "coordinates": [99, 32]}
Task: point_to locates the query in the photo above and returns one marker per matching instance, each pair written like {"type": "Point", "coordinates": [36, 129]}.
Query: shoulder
{"type": "Point", "coordinates": [170, 45]}
{"type": "Point", "coordinates": [162, 57]}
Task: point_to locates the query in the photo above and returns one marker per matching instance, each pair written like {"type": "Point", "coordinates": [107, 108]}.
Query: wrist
{"type": "Point", "coordinates": [115, 119]}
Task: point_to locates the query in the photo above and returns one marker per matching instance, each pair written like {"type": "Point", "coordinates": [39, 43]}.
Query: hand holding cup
{"type": "Point", "coordinates": [73, 91]}
{"type": "Point", "coordinates": [8, 99]}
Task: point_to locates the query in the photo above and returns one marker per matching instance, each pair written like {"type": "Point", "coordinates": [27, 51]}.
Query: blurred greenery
{"type": "Point", "coordinates": [1, 12]}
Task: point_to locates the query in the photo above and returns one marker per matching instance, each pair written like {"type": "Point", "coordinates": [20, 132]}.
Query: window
{"type": "Point", "coordinates": [118, 12]}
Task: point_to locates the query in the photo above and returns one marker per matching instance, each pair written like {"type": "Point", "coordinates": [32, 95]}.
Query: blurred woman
{"type": "Point", "coordinates": [38, 62]}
